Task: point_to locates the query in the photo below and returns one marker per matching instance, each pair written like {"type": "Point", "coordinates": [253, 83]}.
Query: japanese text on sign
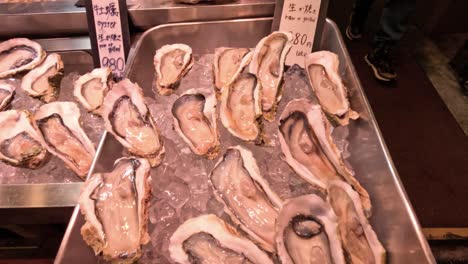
{"type": "Point", "coordinates": [109, 36]}
{"type": "Point", "coordinates": [300, 18]}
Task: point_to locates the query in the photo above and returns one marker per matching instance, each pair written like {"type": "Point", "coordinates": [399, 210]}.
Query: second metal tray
{"type": "Point", "coordinates": [393, 218]}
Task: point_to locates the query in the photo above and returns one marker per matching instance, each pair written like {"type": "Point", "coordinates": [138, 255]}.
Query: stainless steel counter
{"type": "Point", "coordinates": [62, 18]}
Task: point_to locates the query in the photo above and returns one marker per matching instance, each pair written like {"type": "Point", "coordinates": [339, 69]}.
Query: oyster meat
{"type": "Point", "coordinates": [59, 124]}
{"type": "Point", "coordinates": [360, 242]}
{"type": "Point", "coordinates": [195, 121]}
{"type": "Point", "coordinates": [127, 117]}
{"type": "Point", "coordinates": [114, 205]}
{"type": "Point", "coordinates": [43, 82]}
{"type": "Point", "coordinates": [171, 63]}
{"type": "Point", "coordinates": [240, 108]}
{"type": "Point", "coordinates": [19, 54]}
{"type": "Point", "coordinates": [7, 91]}
{"type": "Point", "coordinates": [90, 89]}
{"type": "Point", "coordinates": [208, 239]}
{"type": "Point", "coordinates": [268, 65]}
{"type": "Point", "coordinates": [307, 232]}
{"type": "Point", "coordinates": [227, 64]}
{"type": "Point", "coordinates": [246, 195]}
{"type": "Point", "coordinates": [20, 142]}
{"type": "Point", "coordinates": [322, 70]}
{"type": "Point", "coordinates": [305, 138]}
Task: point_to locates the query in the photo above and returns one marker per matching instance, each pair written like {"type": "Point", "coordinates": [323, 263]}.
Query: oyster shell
{"type": "Point", "coordinates": [90, 89]}
{"type": "Point", "coordinates": [62, 135]}
{"type": "Point", "coordinates": [208, 239]}
{"type": "Point", "coordinates": [195, 121]}
{"type": "Point", "coordinates": [322, 68]}
{"type": "Point", "coordinates": [246, 195]}
{"type": "Point", "coordinates": [126, 116]}
{"type": "Point", "coordinates": [114, 205]}
{"type": "Point", "coordinates": [307, 232]}
{"type": "Point", "coordinates": [268, 65]}
{"type": "Point", "coordinates": [227, 64]}
{"type": "Point", "coordinates": [171, 63]}
{"type": "Point", "coordinates": [305, 138]}
{"type": "Point", "coordinates": [360, 242]}
{"type": "Point", "coordinates": [19, 54]}
{"type": "Point", "coordinates": [43, 82]}
{"type": "Point", "coordinates": [240, 108]}
{"type": "Point", "coordinates": [7, 92]}
{"type": "Point", "coordinates": [20, 142]}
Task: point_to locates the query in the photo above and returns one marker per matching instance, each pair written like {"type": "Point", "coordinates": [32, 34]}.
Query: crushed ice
{"type": "Point", "coordinates": [180, 183]}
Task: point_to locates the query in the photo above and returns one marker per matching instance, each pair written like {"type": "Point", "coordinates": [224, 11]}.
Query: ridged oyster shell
{"type": "Point", "coordinates": [7, 92]}
{"type": "Point", "coordinates": [18, 55]}
{"type": "Point", "coordinates": [227, 64]}
{"type": "Point", "coordinates": [59, 124]}
{"type": "Point", "coordinates": [194, 115]}
{"type": "Point", "coordinates": [322, 71]}
{"type": "Point", "coordinates": [306, 142]}
{"type": "Point", "coordinates": [307, 232]}
{"type": "Point", "coordinates": [115, 207]}
{"type": "Point", "coordinates": [20, 142]}
{"type": "Point", "coordinates": [359, 241]}
{"type": "Point", "coordinates": [208, 238]}
{"type": "Point", "coordinates": [268, 65]}
{"type": "Point", "coordinates": [126, 116]}
{"type": "Point", "coordinates": [43, 82]}
{"type": "Point", "coordinates": [246, 195]}
{"type": "Point", "coordinates": [91, 88]}
{"type": "Point", "coordinates": [171, 63]}
{"type": "Point", "coordinates": [240, 111]}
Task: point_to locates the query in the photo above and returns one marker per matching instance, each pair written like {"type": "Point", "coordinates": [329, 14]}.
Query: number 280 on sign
{"type": "Point", "coordinates": [301, 39]}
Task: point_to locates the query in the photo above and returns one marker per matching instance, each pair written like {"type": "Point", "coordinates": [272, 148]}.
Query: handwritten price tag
{"type": "Point", "coordinates": [108, 24]}
{"type": "Point", "coordinates": [304, 19]}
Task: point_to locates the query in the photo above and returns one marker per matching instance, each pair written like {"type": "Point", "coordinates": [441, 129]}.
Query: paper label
{"type": "Point", "coordinates": [300, 18]}
{"type": "Point", "coordinates": [109, 35]}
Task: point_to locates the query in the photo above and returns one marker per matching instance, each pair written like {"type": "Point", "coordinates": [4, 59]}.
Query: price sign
{"type": "Point", "coordinates": [108, 24]}
{"type": "Point", "coordinates": [304, 19]}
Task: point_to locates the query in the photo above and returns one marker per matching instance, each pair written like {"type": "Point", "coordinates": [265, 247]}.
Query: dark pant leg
{"type": "Point", "coordinates": [394, 21]}
{"type": "Point", "coordinates": [360, 11]}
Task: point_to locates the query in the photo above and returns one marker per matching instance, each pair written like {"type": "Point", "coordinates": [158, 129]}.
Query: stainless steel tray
{"type": "Point", "coordinates": [74, 52]}
{"type": "Point", "coordinates": [62, 18]}
{"type": "Point", "coordinates": [393, 217]}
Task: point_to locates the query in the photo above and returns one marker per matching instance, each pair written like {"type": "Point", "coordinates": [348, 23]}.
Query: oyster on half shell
{"type": "Point", "coordinates": [307, 232]}
{"type": "Point", "coordinates": [246, 195]}
{"type": "Point", "coordinates": [20, 142]}
{"type": "Point", "coordinates": [360, 242]}
{"type": "Point", "coordinates": [322, 71]}
{"type": "Point", "coordinates": [208, 239]}
{"type": "Point", "coordinates": [19, 54]}
{"type": "Point", "coordinates": [7, 92]}
{"type": "Point", "coordinates": [195, 121]}
{"type": "Point", "coordinates": [305, 138]}
{"type": "Point", "coordinates": [59, 124]}
{"type": "Point", "coordinates": [240, 110]}
{"type": "Point", "coordinates": [227, 64]}
{"type": "Point", "coordinates": [171, 63]}
{"type": "Point", "coordinates": [127, 117]}
{"type": "Point", "coordinates": [91, 88]}
{"type": "Point", "coordinates": [114, 205]}
{"type": "Point", "coordinates": [43, 82]}
{"type": "Point", "coordinates": [268, 65]}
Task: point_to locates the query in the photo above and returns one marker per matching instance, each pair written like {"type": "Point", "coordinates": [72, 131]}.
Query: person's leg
{"type": "Point", "coordinates": [358, 18]}
{"type": "Point", "coordinates": [393, 24]}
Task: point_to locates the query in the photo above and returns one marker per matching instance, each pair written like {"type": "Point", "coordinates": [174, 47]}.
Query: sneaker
{"type": "Point", "coordinates": [381, 61]}
{"type": "Point", "coordinates": [354, 30]}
